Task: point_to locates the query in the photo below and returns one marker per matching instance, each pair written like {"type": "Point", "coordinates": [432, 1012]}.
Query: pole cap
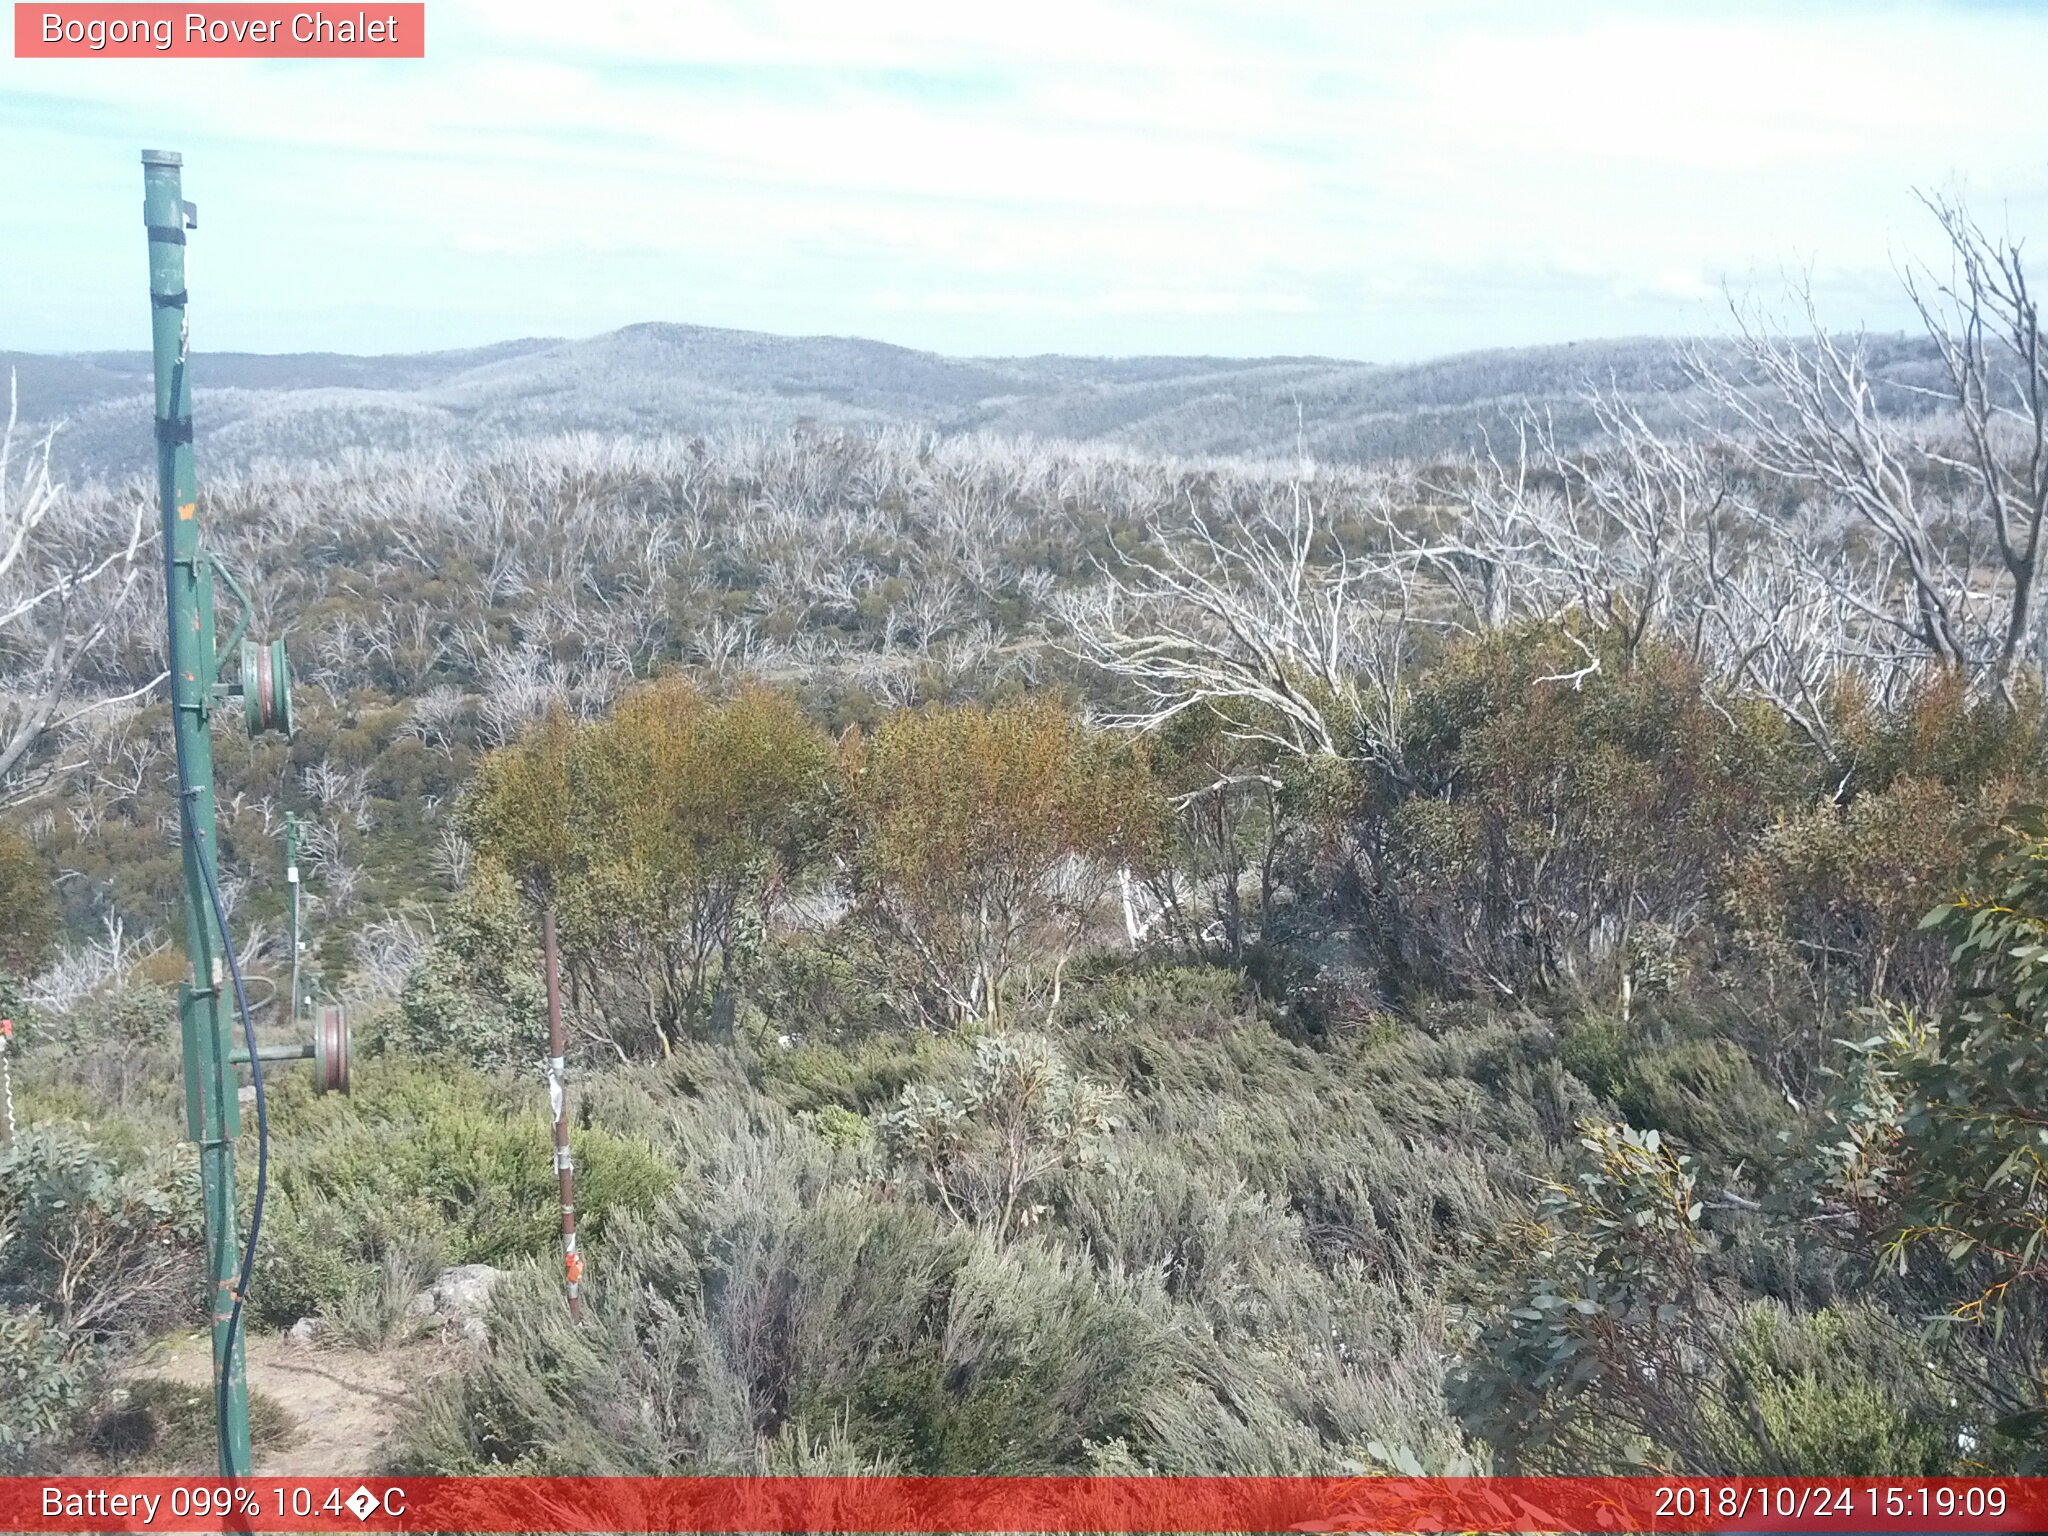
{"type": "Point", "coordinates": [162, 157]}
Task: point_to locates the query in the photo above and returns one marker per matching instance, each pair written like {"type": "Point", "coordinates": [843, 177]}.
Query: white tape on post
{"type": "Point", "coordinates": [7, 1079]}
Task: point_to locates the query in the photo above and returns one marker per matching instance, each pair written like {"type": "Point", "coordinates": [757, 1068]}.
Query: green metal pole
{"type": "Point", "coordinates": [212, 1111]}
{"type": "Point", "coordinates": [306, 1051]}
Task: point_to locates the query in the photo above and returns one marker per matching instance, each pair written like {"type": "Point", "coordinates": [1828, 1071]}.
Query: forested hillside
{"type": "Point", "coordinates": [651, 379]}
{"type": "Point", "coordinates": [1086, 960]}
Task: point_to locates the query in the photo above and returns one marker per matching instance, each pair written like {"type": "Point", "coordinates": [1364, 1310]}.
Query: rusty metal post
{"type": "Point", "coordinates": [558, 1102]}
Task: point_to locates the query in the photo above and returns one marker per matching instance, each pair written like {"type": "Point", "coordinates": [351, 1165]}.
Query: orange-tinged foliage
{"type": "Point", "coordinates": [687, 790]}
{"type": "Point", "coordinates": [983, 838]}
{"type": "Point", "coordinates": [517, 809]}
{"type": "Point", "coordinates": [659, 834]}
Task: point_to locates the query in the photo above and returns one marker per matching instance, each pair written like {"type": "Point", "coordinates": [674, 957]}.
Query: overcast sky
{"type": "Point", "coordinates": [1380, 179]}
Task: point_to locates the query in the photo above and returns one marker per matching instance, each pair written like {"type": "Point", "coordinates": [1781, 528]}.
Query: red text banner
{"type": "Point", "coordinates": [999, 1504]}
{"type": "Point", "coordinates": [240, 31]}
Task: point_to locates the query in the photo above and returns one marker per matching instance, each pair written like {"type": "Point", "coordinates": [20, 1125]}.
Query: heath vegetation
{"type": "Point", "coordinates": [1083, 960]}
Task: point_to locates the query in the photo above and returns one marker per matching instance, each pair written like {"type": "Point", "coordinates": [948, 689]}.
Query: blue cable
{"type": "Point", "coordinates": [262, 1147]}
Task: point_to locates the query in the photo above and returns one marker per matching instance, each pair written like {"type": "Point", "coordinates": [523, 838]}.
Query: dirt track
{"type": "Point", "coordinates": [342, 1402]}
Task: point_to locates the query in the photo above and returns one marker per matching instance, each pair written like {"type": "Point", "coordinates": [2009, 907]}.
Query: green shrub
{"type": "Point", "coordinates": [1707, 1094]}
{"type": "Point", "coordinates": [1595, 1049]}
{"type": "Point", "coordinates": [45, 1380]}
{"type": "Point", "coordinates": [106, 1249]}
{"type": "Point", "coordinates": [1601, 1334]}
{"type": "Point", "coordinates": [658, 834]}
{"type": "Point", "coordinates": [1944, 732]}
{"type": "Point", "coordinates": [1941, 1124]}
{"type": "Point", "coordinates": [477, 994]}
{"type": "Point", "coordinates": [311, 1260]}
{"type": "Point", "coordinates": [1165, 1074]}
{"type": "Point", "coordinates": [1848, 1392]}
{"type": "Point", "coordinates": [110, 1063]}
{"type": "Point", "coordinates": [861, 1076]}
{"type": "Point", "coordinates": [810, 989]}
{"type": "Point", "coordinates": [986, 1146]}
{"type": "Point", "coordinates": [724, 1338]}
{"type": "Point", "coordinates": [1549, 819]}
{"type": "Point", "coordinates": [980, 843]}
{"type": "Point", "coordinates": [433, 1147]}
{"type": "Point", "coordinates": [1230, 819]}
{"type": "Point", "coordinates": [1837, 892]}
{"type": "Point", "coordinates": [1033, 1359]}
{"type": "Point", "coordinates": [840, 1127]}
{"type": "Point", "coordinates": [1175, 1000]}
{"type": "Point", "coordinates": [1357, 1143]}
{"type": "Point", "coordinates": [378, 1311]}
{"type": "Point", "coordinates": [1588, 1327]}
{"type": "Point", "coordinates": [120, 1016]}
{"type": "Point", "coordinates": [776, 1313]}
{"type": "Point", "coordinates": [30, 916]}
{"type": "Point", "coordinates": [548, 1398]}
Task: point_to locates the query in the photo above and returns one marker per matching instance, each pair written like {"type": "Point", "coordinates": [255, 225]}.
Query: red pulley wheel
{"type": "Point", "coordinates": [331, 1047]}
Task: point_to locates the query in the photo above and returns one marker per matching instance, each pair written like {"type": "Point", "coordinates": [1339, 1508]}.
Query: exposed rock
{"type": "Point", "coordinates": [465, 1291]}
{"type": "Point", "coordinates": [458, 1298]}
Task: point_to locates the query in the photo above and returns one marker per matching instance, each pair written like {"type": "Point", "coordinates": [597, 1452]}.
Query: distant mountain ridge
{"type": "Point", "coordinates": [660, 377]}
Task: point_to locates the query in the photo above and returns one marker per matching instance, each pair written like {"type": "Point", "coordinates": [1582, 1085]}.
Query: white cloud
{"type": "Point", "coordinates": [1338, 171]}
{"type": "Point", "coordinates": [875, 34]}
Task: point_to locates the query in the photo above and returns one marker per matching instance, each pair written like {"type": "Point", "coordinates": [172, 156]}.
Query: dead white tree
{"type": "Point", "coordinates": [1986, 324]}
{"type": "Point", "coordinates": [1648, 503]}
{"type": "Point", "coordinates": [1809, 414]}
{"type": "Point", "coordinates": [1504, 547]}
{"type": "Point", "coordinates": [1770, 620]}
{"type": "Point", "coordinates": [63, 583]}
{"type": "Point", "coordinates": [1611, 533]}
{"type": "Point", "coordinates": [518, 686]}
{"type": "Point", "coordinates": [434, 716]}
{"type": "Point", "coordinates": [1934, 495]}
{"type": "Point", "coordinates": [1639, 534]}
{"type": "Point", "coordinates": [935, 605]}
{"type": "Point", "coordinates": [1292, 640]}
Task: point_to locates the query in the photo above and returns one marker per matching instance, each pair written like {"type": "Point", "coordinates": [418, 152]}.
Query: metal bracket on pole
{"type": "Point", "coordinates": [234, 640]}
